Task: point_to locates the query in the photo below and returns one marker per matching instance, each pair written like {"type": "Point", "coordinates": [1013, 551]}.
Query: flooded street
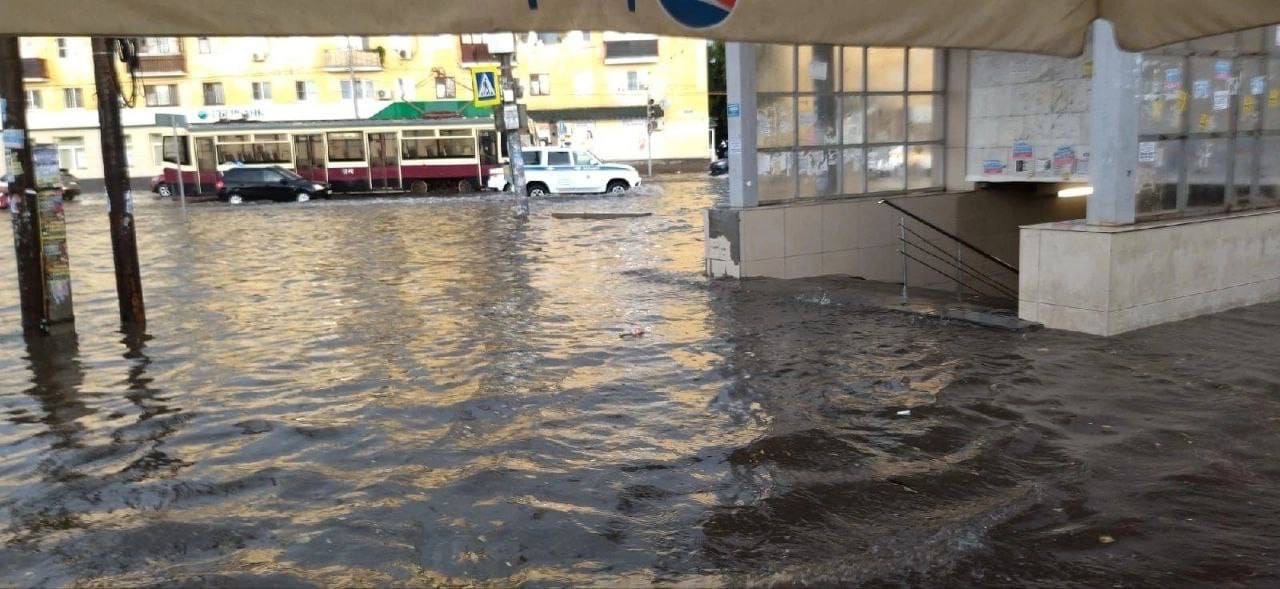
{"type": "Point", "coordinates": [427, 391]}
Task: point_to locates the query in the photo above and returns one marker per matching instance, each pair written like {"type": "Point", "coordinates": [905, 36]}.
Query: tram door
{"type": "Point", "coordinates": [206, 166]}
{"type": "Point", "coordinates": [384, 160]}
{"type": "Point", "coordinates": [308, 155]}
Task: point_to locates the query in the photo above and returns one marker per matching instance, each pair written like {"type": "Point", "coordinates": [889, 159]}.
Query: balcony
{"type": "Point", "coordinates": [360, 60]}
{"type": "Point", "coordinates": [162, 65]}
{"type": "Point", "coordinates": [631, 51]}
{"type": "Point", "coordinates": [476, 53]}
{"type": "Point", "coordinates": [35, 69]}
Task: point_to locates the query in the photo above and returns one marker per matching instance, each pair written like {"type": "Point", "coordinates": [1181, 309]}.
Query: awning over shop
{"type": "Point", "coordinates": [1039, 26]}
{"type": "Point", "coordinates": [436, 109]}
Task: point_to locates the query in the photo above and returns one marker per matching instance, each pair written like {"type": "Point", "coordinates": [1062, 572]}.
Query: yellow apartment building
{"type": "Point", "coordinates": [584, 89]}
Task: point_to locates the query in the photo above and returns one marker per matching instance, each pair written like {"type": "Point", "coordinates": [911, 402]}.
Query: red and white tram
{"type": "Point", "coordinates": [351, 156]}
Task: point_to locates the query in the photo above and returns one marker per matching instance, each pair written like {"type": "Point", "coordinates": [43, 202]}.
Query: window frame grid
{"type": "Point", "coordinates": [839, 93]}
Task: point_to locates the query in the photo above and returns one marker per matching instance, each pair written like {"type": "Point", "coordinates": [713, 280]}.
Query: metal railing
{"type": "Point", "coordinates": [924, 251]}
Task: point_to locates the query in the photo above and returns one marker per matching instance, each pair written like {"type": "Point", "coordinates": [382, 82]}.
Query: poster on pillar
{"type": "Point", "coordinates": [53, 235]}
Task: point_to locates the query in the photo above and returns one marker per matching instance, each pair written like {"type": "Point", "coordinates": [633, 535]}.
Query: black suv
{"type": "Point", "coordinates": [273, 183]}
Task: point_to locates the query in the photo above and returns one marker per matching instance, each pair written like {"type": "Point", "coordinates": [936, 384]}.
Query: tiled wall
{"type": "Point", "coordinates": [859, 237]}
{"type": "Point", "coordinates": [1106, 281]}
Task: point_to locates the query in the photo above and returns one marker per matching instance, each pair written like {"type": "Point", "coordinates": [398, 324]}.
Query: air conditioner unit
{"type": "Point", "coordinates": [384, 95]}
{"type": "Point", "coordinates": [259, 57]}
{"type": "Point", "coordinates": [405, 54]}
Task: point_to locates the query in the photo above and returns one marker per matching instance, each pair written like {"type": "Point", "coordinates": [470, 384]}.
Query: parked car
{"type": "Point", "coordinates": [558, 170]}
{"type": "Point", "coordinates": [720, 167]}
{"type": "Point", "coordinates": [269, 183]}
{"type": "Point", "coordinates": [70, 185]}
{"type": "Point", "coordinates": [160, 187]}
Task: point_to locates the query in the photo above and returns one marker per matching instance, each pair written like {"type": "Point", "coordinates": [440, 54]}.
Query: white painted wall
{"type": "Point", "coordinates": [1041, 100]}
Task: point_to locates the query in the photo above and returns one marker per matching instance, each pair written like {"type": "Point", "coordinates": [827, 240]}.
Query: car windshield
{"type": "Point", "coordinates": [289, 175]}
{"type": "Point", "coordinates": [586, 158]}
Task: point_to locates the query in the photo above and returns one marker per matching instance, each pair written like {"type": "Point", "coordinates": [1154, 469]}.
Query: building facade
{"type": "Point", "coordinates": [588, 89]}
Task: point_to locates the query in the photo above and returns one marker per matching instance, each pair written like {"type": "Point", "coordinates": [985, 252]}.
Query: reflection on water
{"type": "Point", "coordinates": [417, 391]}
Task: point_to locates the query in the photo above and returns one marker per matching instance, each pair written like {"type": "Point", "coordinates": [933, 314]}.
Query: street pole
{"type": "Point", "coordinates": [351, 71]}
{"type": "Point", "coordinates": [515, 147]}
{"type": "Point", "coordinates": [124, 241]}
{"type": "Point", "coordinates": [181, 153]}
{"type": "Point", "coordinates": [26, 212]}
{"type": "Point", "coordinates": [648, 125]}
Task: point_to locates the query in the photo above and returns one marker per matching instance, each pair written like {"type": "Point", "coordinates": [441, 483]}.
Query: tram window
{"type": "Point", "coordinates": [346, 147]}
{"type": "Point", "coordinates": [231, 153]}
{"type": "Point", "coordinates": [233, 139]}
{"type": "Point", "coordinates": [414, 148]}
{"type": "Point", "coordinates": [171, 151]}
{"type": "Point", "coordinates": [270, 152]}
{"type": "Point", "coordinates": [489, 148]}
{"type": "Point", "coordinates": [455, 133]}
{"type": "Point", "coordinates": [456, 148]}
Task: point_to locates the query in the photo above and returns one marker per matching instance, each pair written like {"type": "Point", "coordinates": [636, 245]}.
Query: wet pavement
{"type": "Point", "coordinates": [426, 391]}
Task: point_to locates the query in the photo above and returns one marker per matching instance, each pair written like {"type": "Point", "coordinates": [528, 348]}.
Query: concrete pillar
{"type": "Point", "coordinates": [740, 71]}
{"type": "Point", "coordinates": [1113, 126]}
{"type": "Point", "coordinates": [957, 118]}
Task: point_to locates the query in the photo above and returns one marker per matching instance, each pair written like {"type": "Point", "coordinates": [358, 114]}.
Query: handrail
{"type": "Point", "coordinates": [957, 239]}
{"type": "Point", "coordinates": [962, 267]}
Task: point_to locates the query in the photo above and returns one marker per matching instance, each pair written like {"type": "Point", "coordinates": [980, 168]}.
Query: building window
{"type": "Point", "coordinates": [71, 154]}
{"type": "Point", "coordinates": [204, 46]}
{"type": "Point", "coordinates": [213, 94]}
{"type": "Point", "coordinates": [836, 121]}
{"type": "Point", "coordinates": [631, 50]}
{"type": "Point", "coordinates": [363, 89]}
{"type": "Point", "coordinates": [540, 85]}
{"type": "Point", "coordinates": [306, 90]}
{"type": "Point", "coordinates": [35, 100]}
{"type": "Point", "coordinates": [73, 97]}
{"type": "Point", "coordinates": [161, 94]}
{"type": "Point", "coordinates": [128, 151]}
{"type": "Point", "coordinates": [474, 49]}
{"type": "Point", "coordinates": [262, 91]}
{"type": "Point", "coordinates": [549, 38]}
{"type": "Point", "coordinates": [637, 81]}
{"type": "Point", "coordinates": [62, 47]}
{"type": "Point", "coordinates": [1209, 126]}
{"type": "Point", "coordinates": [446, 88]}
{"type": "Point", "coordinates": [160, 46]}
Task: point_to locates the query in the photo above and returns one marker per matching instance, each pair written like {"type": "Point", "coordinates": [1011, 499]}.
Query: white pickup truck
{"type": "Point", "coordinates": [557, 170]}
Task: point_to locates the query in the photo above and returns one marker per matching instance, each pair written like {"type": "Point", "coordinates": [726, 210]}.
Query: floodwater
{"type": "Point", "coordinates": [426, 391]}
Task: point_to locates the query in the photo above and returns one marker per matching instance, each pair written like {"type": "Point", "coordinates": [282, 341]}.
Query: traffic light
{"type": "Point", "coordinates": [654, 113]}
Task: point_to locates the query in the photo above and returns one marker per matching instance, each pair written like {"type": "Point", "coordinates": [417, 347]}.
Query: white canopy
{"type": "Point", "coordinates": [1038, 26]}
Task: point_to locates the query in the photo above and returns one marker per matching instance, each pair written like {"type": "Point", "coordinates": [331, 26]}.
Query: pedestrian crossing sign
{"type": "Point", "coordinates": [485, 83]}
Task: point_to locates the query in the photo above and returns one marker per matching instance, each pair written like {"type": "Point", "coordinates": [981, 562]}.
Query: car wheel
{"type": "Point", "coordinates": [618, 187]}
{"type": "Point", "coordinates": [419, 187]}
{"type": "Point", "coordinates": [537, 190]}
{"type": "Point", "coordinates": [164, 191]}
{"type": "Point", "coordinates": [235, 199]}
{"type": "Point", "coordinates": [302, 197]}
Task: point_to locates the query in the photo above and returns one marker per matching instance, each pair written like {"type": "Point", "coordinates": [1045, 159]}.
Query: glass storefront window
{"type": "Point", "coordinates": [1209, 125]}
{"type": "Point", "coordinates": [886, 169]}
{"type": "Point", "coordinates": [818, 120]}
{"type": "Point", "coordinates": [886, 69]}
{"type": "Point", "coordinates": [775, 122]}
{"type": "Point", "coordinates": [777, 172]}
{"type": "Point", "coordinates": [775, 68]}
{"type": "Point", "coordinates": [835, 121]}
{"type": "Point", "coordinates": [924, 117]}
{"type": "Point", "coordinates": [886, 121]}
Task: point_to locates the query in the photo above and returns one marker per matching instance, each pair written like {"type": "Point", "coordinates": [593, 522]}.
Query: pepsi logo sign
{"type": "Point", "coordinates": [699, 14]}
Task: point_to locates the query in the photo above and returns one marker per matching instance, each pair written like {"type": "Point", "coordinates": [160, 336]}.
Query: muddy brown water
{"type": "Point", "coordinates": [425, 391]}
